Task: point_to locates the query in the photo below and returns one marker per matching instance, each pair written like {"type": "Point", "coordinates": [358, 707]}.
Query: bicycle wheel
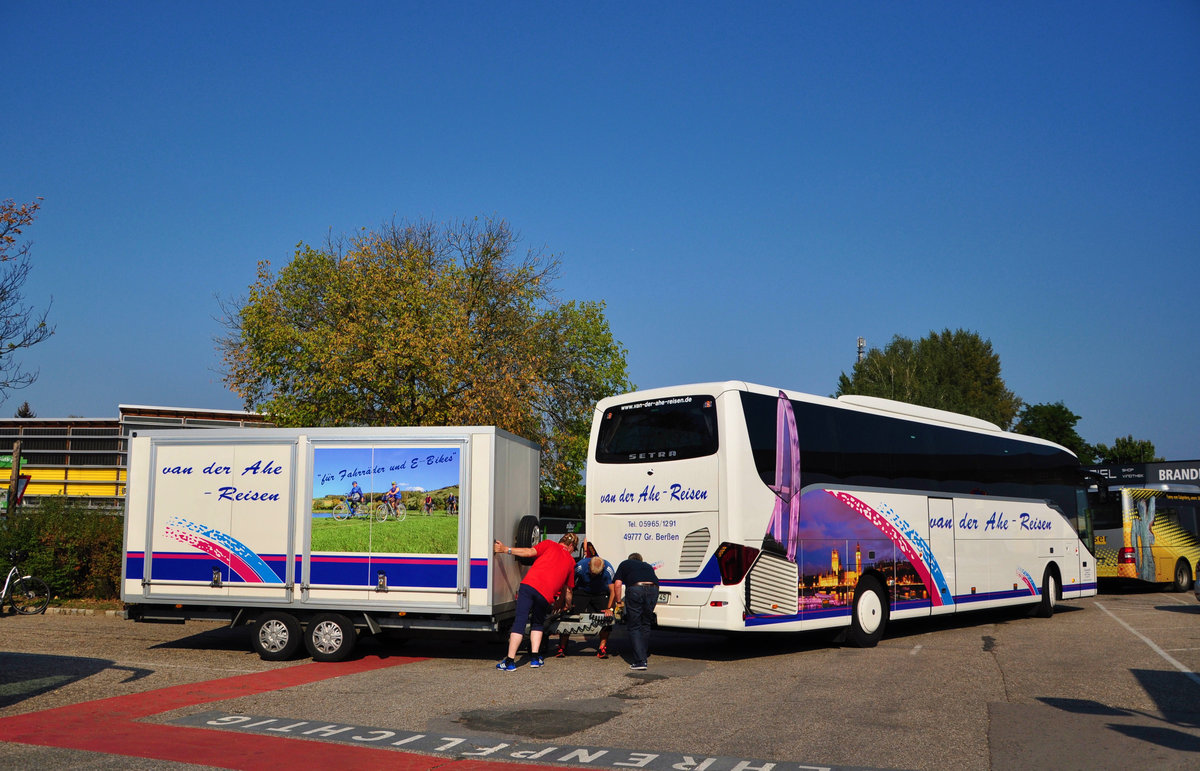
{"type": "Point", "coordinates": [341, 511]}
{"type": "Point", "coordinates": [381, 512]}
{"type": "Point", "coordinates": [401, 513]}
{"type": "Point", "coordinates": [30, 595]}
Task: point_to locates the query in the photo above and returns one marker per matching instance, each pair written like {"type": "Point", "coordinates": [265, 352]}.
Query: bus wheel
{"type": "Point", "coordinates": [1045, 608]}
{"type": "Point", "coordinates": [275, 636]}
{"type": "Point", "coordinates": [329, 637]}
{"type": "Point", "coordinates": [1183, 577]}
{"type": "Point", "coordinates": [870, 614]}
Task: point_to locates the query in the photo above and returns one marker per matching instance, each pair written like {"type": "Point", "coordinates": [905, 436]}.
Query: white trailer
{"type": "Point", "coordinates": [240, 525]}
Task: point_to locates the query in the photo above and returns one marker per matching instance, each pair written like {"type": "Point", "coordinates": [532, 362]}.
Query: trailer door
{"type": "Point", "coordinates": [219, 522]}
{"type": "Point", "coordinates": [413, 562]}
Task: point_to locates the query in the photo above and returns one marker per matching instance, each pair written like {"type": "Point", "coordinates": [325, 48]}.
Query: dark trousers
{"type": "Point", "coordinates": [639, 613]}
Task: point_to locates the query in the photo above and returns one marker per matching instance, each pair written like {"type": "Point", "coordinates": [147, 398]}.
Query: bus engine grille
{"type": "Point", "coordinates": [695, 546]}
{"type": "Point", "coordinates": [773, 586]}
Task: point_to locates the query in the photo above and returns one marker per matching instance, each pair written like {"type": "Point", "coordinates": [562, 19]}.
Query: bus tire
{"type": "Point", "coordinates": [869, 615]}
{"type": "Point", "coordinates": [1183, 577]}
{"type": "Point", "coordinates": [329, 637]}
{"type": "Point", "coordinates": [1045, 608]}
{"type": "Point", "coordinates": [275, 636]}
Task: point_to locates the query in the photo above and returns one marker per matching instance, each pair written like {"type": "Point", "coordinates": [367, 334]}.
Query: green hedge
{"type": "Point", "coordinates": [76, 550]}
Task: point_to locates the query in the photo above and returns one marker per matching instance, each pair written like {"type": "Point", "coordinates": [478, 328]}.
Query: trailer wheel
{"type": "Point", "coordinates": [869, 615]}
{"type": "Point", "coordinates": [275, 636]}
{"type": "Point", "coordinates": [329, 637]}
{"type": "Point", "coordinates": [529, 532]}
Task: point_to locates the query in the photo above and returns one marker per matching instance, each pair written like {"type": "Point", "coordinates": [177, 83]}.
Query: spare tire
{"type": "Point", "coordinates": [529, 533]}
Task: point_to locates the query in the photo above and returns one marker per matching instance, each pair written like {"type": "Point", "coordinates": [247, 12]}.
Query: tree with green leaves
{"type": "Point", "coordinates": [1056, 423]}
{"type": "Point", "coordinates": [25, 411]}
{"type": "Point", "coordinates": [421, 324]}
{"type": "Point", "coordinates": [1126, 449]}
{"type": "Point", "coordinates": [21, 326]}
{"type": "Point", "coordinates": [952, 370]}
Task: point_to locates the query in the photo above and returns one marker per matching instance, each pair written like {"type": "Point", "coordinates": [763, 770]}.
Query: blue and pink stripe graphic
{"type": "Point", "coordinates": [247, 565]}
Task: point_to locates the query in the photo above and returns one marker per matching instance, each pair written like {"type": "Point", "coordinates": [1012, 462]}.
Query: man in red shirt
{"type": "Point", "coordinates": [553, 569]}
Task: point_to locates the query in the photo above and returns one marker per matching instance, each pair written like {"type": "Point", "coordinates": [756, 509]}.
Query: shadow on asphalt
{"type": "Point", "coordinates": [222, 638]}
{"type": "Point", "coordinates": [1174, 695]}
{"type": "Point", "coordinates": [1193, 610]}
{"type": "Point", "coordinates": [686, 645]}
{"type": "Point", "coordinates": [1131, 586]}
{"type": "Point", "coordinates": [696, 645]}
{"type": "Point", "coordinates": [26, 675]}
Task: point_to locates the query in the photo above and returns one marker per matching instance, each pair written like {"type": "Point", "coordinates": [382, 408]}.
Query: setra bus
{"type": "Point", "coordinates": [762, 509]}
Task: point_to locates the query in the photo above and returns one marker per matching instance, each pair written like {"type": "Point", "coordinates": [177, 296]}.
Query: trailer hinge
{"type": "Point", "coordinates": [381, 581]}
{"type": "Point", "coordinates": [216, 578]}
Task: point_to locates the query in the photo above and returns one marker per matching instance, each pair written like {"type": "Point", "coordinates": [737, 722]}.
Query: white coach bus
{"type": "Point", "coordinates": [762, 509]}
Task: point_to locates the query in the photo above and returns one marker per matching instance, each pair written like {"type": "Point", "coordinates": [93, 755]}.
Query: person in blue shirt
{"type": "Point", "coordinates": [392, 497]}
{"type": "Point", "coordinates": [594, 593]}
{"type": "Point", "coordinates": [354, 498]}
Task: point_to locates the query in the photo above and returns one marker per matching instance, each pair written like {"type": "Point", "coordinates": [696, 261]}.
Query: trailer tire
{"type": "Point", "coordinates": [529, 532]}
{"type": "Point", "coordinates": [275, 636]}
{"type": "Point", "coordinates": [329, 637]}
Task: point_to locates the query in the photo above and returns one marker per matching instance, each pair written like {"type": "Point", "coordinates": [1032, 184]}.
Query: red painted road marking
{"type": "Point", "coordinates": [109, 726]}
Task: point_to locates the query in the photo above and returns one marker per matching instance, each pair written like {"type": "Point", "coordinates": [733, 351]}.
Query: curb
{"type": "Point", "coordinates": [84, 612]}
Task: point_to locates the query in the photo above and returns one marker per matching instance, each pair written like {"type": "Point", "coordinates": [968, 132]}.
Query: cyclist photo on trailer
{"type": "Point", "coordinates": [385, 477]}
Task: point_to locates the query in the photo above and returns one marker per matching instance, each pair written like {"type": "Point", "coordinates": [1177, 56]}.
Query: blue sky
{"type": "Point", "coordinates": [749, 187]}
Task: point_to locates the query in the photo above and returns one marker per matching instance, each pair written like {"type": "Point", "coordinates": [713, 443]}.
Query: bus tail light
{"type": "Point", "coordinates": [1126, 556]}
{"type": "Point", "coordinates": [734, 560]}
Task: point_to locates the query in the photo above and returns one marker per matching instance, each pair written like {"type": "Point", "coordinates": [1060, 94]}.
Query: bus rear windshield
{"type": "Point", "coordinates": [673, 428]}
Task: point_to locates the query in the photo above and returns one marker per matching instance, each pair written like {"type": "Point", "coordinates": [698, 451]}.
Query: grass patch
{"type": "Point", "coordinates": [417, 534]}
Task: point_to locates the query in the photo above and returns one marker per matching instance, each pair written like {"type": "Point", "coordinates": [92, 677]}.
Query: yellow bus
{"type": "Point", "coordinates": [1149, 534]}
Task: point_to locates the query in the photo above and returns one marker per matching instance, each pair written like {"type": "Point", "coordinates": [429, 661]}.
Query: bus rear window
{"type": "Point", "coordinates": [672, 428]}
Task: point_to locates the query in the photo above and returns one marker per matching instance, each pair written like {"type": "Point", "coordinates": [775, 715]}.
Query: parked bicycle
{"type": "Point", "coordinates": [343, 509]}
{"type": "Point", "coordinates": [28, 595]}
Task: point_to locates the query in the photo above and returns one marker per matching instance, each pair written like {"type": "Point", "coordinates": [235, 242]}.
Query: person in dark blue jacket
{"type": "Point", "coordinates": [640, 585]}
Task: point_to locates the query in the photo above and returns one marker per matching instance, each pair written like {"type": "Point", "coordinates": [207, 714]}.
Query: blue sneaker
{"type": "Point", "coordinates": [508, 665]}
{"type": "Point", "coordinates": [536, 661]}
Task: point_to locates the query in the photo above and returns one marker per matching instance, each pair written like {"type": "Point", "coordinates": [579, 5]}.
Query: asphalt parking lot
{"type": "Point", "coordinates": [1109, 681]}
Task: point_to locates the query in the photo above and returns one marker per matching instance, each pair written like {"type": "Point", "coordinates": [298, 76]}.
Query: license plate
{"type": "Point", "coordinates": [664, 597]}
